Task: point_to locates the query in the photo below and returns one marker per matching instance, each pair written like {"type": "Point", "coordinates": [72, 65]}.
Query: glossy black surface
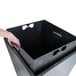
{"type": "Point", "coordinates": [42, 38]}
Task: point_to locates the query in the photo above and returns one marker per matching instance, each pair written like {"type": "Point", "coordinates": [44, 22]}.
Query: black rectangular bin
{"type": "Point", "coordinates": [43, 46]}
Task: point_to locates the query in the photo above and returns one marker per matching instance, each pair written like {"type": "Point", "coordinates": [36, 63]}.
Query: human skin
{"type": "Point", "coordinates": [12, 39]}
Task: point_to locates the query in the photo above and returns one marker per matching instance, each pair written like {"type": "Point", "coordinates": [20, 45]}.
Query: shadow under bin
{"type": "Point", "coordinates": [46, 50]}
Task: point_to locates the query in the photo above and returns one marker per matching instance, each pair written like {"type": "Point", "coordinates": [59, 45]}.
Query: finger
{"type": "Point", "coordinates": [16, 47]}
{"type": "Point", "coordinates": [10, 42]}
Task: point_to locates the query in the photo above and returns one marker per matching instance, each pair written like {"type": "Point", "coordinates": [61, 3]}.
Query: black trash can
{"type": "Point", "coordinates": [43, 47]}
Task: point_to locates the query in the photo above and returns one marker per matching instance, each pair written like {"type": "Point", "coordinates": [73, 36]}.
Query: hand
{"type": "Point", "coordinates": [13, 40]}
